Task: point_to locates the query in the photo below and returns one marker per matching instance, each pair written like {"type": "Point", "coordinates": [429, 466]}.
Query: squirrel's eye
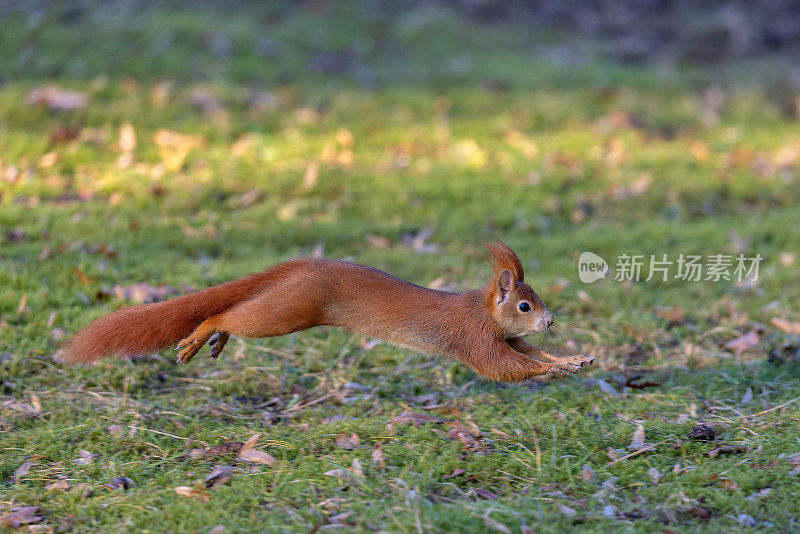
{"type": "Point", "coordinates": [524, 307]}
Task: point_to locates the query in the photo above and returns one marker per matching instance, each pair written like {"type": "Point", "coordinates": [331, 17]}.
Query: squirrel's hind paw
{"type": "Point", "coordinates": [217, 343]}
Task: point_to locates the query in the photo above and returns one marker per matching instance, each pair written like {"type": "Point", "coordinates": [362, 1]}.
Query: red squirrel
{"type": "Point", "coordinates": [482, 328]}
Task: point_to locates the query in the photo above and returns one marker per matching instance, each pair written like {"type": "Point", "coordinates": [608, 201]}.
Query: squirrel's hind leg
{"type": "Point", "coordinates": [191, 345]}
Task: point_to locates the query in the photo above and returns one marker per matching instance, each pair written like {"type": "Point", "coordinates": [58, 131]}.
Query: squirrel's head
{"type": "Point", "coordinates": [516, 307]}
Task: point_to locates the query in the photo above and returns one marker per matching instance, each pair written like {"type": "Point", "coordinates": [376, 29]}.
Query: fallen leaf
{"type": "Point", "coordinates": [486, 494]}
{"type": "Point", "coordinates": [637, 442]}
{"type": "Point", "coordinates": [85, 458]}
{"type": "Point", "coordinates": [343, 441]}
{"type": "Point", "coordinates": [20, 516]}
{"type": "Point", "coordinates": [566, 510]}
{"type": "Point", "coordinates": [220, 475]}
{"type": "Point", "coordinates": [22, 470]}
{"type": "Point", "coordinates": [378, 457]}
{"type": "Point", "coordinates": [700, 512]}
{"type": "Point", "coordinates": [494, 524]}
{"type": "Point", "coordinates": [587, 473]}
{"type": "Point", "coordinates": [57, 99]}
{"type": "Point", "coordinates": [357, 469]}
{"type": "Point", "coordinates": [457, 472]}
{"type": "Point", "coordinates": [789, 327]}
{"type": "Point", "coordinates": [744, 343]}
{"type": "Point", "coordinates": [673, 315]}
{"type": "Point", "coordinates": [728, 484]}
{"type": "Point", "coordinates": [199, 493]}
{"type": "Point", "coordinates": [654, 474]}
{"type": "Point", "coordinates": [123, 483]}
{"type": "Point", "coordinates": [727, 449]}
{"type": "Point", "coordinates": [257, 457]}
{"type": "Point", "coordinates": [173, 147]}
{"type": "Point", "coordinates": [127, 137]}
{"type": "Point", "coordinates": [59, 485]}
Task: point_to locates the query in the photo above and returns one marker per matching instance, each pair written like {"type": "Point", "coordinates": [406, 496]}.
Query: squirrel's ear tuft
{"type": "Point", "coordinates": [503, 258]}
{"type": "Point", "coordinates": [505, 283]}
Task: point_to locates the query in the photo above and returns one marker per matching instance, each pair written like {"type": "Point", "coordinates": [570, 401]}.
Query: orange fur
{"type": "Point", "coordinates": [481, 327]}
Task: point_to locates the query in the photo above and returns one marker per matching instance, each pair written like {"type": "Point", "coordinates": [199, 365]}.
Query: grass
{"type": "Point", "coordinates": [300, 149]}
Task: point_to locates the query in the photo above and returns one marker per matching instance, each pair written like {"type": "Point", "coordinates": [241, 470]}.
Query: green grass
{"type": "Point", "coordinates": [601, 157]}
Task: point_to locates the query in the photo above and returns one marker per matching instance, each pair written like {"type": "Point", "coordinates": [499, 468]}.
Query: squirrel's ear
{"type": "Point", "coordinates": [505, 282]}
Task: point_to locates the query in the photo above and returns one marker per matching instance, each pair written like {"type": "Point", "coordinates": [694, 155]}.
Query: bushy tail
{"type": "Point", "coordinates": [146, 328]}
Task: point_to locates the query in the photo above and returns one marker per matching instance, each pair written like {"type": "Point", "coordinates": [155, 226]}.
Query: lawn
{"type": "Point", "coordinates": [147, 151]}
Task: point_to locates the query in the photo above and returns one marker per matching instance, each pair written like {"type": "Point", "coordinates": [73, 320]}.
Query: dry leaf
{"type": "Point", "coordinates": [486, 494]}
{"type": "Point", "coordinates": [59, 485]}
{"type": "Point", "coordinates": [57, 99]}
{"type": "Point", "coordinates": [173, 147]}
{"type": "Point", "coordinates": [123, 483]}
{"type": "Point", "coordinates": [457, 472]}
{"type": "Point", "coordinates": [744, 343]}
{"type": "Point", "coordinates": [637, 442]}
{"type": "Point", "coordinates": [357, 469]}
{"type": "Point", "coordinates": [257, 457]}
{"type": "Point", "coordinates": [22, 470]}
{"type": "Point", "coordinates": [311, 176]}
{"type": "Point", "coordinates": [343, 441]}
{"type": "Point", "coordinates": [85, 458]}
{"type": "Point", "coordinates": [587, 473]}
{"type": "Point", "coordinates": [127, 138]}
{"type": "Point", "coordinates": [20, 516]}
{"type": "Point", "coordinates": [378, 458]}
{"type": "Point", "coordinates": [495, 525]}
{"type": "Point", "coordinates": [654, 474]}
{"type": "Point", "coordinates": [195, 493]}
{"type": "Point", "coordinates": [727, 449]}
{"type": "Point", "coordinates": [728, 484]}
{"type": "Point", "coordinates": [220, 475]}
{"type": "Point", "coordinates": [789, 327]}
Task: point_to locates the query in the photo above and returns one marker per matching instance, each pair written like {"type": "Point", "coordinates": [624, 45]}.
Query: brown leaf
{"type": "Point", "coordinates": [673, 315]}
{"type": "Point", "coordinates": [343, 441]}
{"type": "Point", "coordinates": [123, 483]}
{"type": "Point", "coordinates": [57, 99]}
{"type": "Point", "coordinates": [199, 493]}
{"type": "Point", "coordinates": [587, 473]}
{"type": "Point", "coordinates": [728, 484]}
{"type": "Point", "coordinates": [457, 472]}
{"type": "Point", "coordinates": [494, 524]}
{"type": "Point", "coordinates": [20, 516]}
{"type": "Point", "coordinates": [257, 457]}
{"type": "Point", "coordinates": [22, 470]}
{"type": "Point", "coordinates": [220, 475]}
{"type": "Point", "coordinates": [58, 485]}
{"type": "Point", "coordinates": [744, 343]}
{"type": "Point", "coordinates": [727, 449]}
{"type": "Point", "coordinates": [486, 494]}
{"type": "Point", "coordinates": [378, 457]}
{"type": "Point", "coordinates": [637, 442]}
{"type": "Point", "coordinates": [790, 327]}
{"type": "Point", "coordinates": [700, 512]}
{"type": "Point", "coordinates": [85, 458]}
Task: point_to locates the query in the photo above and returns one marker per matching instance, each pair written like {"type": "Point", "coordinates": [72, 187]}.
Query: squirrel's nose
{"type": "Point", "coordinates": [549, 320]}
